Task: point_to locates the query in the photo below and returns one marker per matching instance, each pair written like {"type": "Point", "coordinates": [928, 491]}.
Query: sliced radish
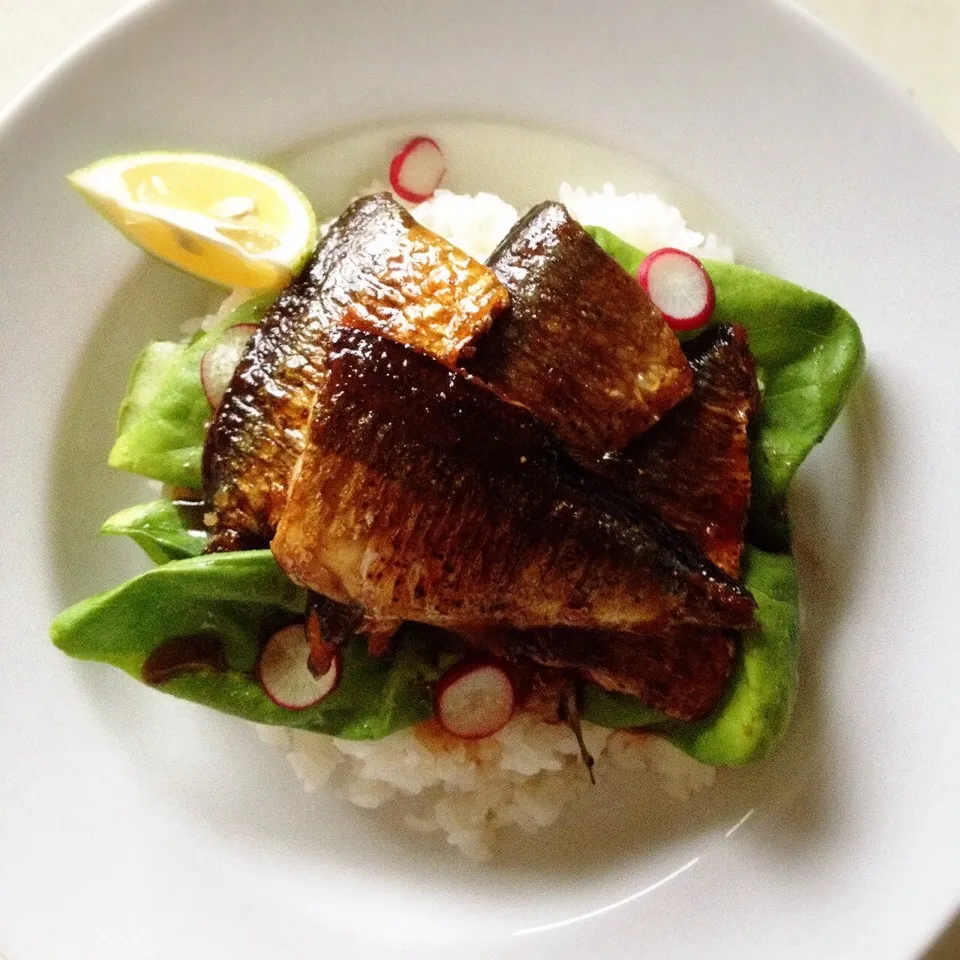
{"type": "Point", "coordinates": [285, 674]}
{"type": "Point", "coordinates": [219, 362]}
{"type": "Point", "coordinates": [475, 698]}
{"type": "Point", "coordinates": [417, 170]}
{"type": "Point", "coordinates": [679, 285]}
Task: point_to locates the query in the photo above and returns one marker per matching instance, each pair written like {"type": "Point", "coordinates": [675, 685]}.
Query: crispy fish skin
{"type": "Point", "coordinates": [329, 626]}
{"type": "Point", "coordinates": [693, 471]}
{"type": "Point", "coordinates": [680, 672]}
{"type": "Point", "coordinates": [422, 495]}
{"type": "Point", "coordinates": [375, 269]}
{"type": "Point", "coordinates": [582, 345]}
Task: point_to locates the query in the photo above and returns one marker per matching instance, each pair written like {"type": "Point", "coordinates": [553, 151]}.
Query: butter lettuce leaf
{"type": "Point", "coordinates": [756, 708]}
{"type": "Point", "coordinates": [809, 354]}
{"type": "Point", "coordinates": [164, 414]}
{"type": "Point", "coordinates": [758, 703]}
{"type": "Point", "coordinates": [160, 528]}
{"type": "Point", "coordinates": [242, 598]}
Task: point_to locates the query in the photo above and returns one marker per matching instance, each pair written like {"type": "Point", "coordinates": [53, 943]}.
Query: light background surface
{"type": "Point", "coordinates": [916, 42]}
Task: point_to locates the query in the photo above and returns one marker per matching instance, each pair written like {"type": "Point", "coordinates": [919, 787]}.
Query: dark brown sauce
{"type": "Point", "coordinates": [193, 653]}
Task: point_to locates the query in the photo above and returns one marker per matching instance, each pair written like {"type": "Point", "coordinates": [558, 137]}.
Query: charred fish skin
{"type": "Point", "coordinates": [375, 269]}
{"type": "Point", "coordinates": [693, 471]}
{"type": "Point", "coordinates": [682, 673]}
{"type": "Point", "coordinates": [582, 345]}
{"type": "Point", "coordinates": [423, 495]}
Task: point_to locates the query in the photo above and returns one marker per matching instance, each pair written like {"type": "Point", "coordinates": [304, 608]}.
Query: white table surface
{"type": "Point", "coordinates": [917, 42]}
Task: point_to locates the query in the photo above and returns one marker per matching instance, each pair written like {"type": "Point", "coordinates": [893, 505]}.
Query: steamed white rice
{"type": "Point", "coordinates": [527, 773]}
{"type": "Point", "coordinates": [522, 776]}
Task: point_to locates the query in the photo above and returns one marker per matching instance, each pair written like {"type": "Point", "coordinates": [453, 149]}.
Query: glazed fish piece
{"type": "Point", "coordinates": [680, 672]}
{"type": "Point", "coordinates": [375, 269]}
{"type": "Point", "coordinates": [693, 469]}
{"type": "Point", "coordinates": [582, 345]}
{"type": "Point", "coordinates": [422, 495]}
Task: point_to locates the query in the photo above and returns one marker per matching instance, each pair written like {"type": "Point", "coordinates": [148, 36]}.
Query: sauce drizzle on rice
{"type": "Point", "coordinates": [467, 791]}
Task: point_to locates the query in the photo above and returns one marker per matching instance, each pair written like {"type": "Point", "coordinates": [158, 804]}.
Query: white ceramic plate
{"type": "Point", "coordinates": [137, 826]}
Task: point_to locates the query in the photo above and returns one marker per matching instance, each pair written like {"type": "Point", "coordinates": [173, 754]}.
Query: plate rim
{"type": "Point", "coordinates": [131, 17]}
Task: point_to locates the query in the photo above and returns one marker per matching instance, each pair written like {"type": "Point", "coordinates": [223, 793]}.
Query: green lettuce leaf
{"type": "Point", "coordinates": [242, 598]}
{"type": "Point", "coordinates": [164, 414]}
{"type": "Point", "coordinates": [160, 529]}
{"type": "Point", "coordinates": [759, 700]}
{"type": "Point", "coordinates": [809, 353]}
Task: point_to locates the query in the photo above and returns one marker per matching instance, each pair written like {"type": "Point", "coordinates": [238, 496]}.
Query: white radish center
{"type": "Point", "coordinates": [479, 702]}
{"type": "Point", "coordinates": [285, 670]}
{"type": "Point", "coordinates": [677, 285]}
{"type": "Point", "coordinates": [422, 169]}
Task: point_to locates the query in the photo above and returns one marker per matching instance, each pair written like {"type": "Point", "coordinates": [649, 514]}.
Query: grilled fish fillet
{"type": "Point", "coordinates": [582, 345]}
{"type": "Point", "coordinates": [681, 672]}
{"type": "Point", "coordinates": [693, 470]}
{"type": "Point", "coordinates": [376, 269]}
{"type": "Point", "coordinates": [422, 495]}
{"type": "Point", "coordinates": [694, 473]}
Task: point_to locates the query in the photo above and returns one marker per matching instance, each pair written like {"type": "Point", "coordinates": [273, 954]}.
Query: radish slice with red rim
{"type": "Point", "coordinates": [219, 362]}
{"type": "Point", "coordinates": [417, 169]}
{"type": "Point", "coordinates": [284, 670]}
{"type": "Point", "coordinates": [679, 286]}
{"type": "Point", "coordinates": [475, 698]}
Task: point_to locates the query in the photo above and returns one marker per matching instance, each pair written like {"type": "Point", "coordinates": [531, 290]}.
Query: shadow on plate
{"type": "Point", "coordinates": [835, 501]}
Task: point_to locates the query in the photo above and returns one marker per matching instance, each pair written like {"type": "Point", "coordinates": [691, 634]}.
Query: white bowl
{"type": "Point", "coordinates": [138, 826]}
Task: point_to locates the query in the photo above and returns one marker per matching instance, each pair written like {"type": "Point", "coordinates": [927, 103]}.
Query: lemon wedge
{"type": "Point", "coordinates": [236, 223]}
